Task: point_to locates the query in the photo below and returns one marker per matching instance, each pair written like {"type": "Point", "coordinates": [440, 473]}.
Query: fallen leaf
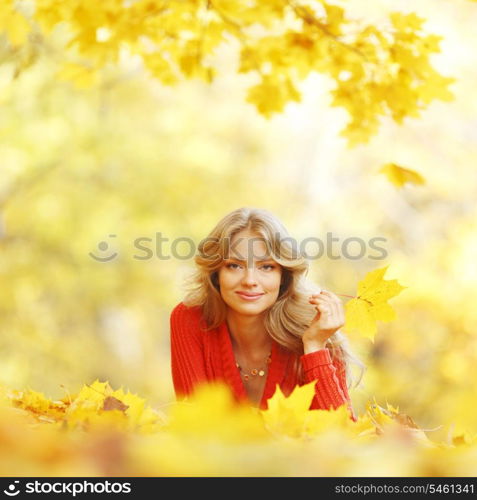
{"type": "Point", "coordinates": [400, 175]}
{"type": "Point", "coordinates": [112, 403]}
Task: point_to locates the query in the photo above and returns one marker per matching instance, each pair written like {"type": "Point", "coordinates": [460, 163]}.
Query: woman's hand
{"type": "Point", "coordinates": [329, 318]}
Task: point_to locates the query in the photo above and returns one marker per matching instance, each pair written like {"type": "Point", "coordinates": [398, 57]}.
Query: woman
{"type": "Point", "coordinates": [249, 318]}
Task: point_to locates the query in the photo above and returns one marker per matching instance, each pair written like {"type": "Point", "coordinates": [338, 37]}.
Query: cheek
{"type": "Point", "coordinates": [227, 279]}
{"type": "Point", "coordinates": [274, 281]}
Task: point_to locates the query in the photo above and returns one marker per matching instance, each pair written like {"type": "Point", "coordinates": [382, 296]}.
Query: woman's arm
{"type": "Point", "coordinates": [330, 390]}
{"type": "Point", "coordinates": [187, 352]}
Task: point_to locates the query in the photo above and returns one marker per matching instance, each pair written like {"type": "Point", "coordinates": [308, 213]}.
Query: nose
{"type": "Point", "coordinates": [249, 277]}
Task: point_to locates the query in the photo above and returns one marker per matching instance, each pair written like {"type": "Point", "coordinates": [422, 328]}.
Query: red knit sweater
{"type": "Point", "coordinates": [199, 356]}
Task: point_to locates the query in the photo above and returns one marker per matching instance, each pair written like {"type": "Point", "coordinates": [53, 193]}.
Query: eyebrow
{"type": "Point", "coordinates": [269, 259]}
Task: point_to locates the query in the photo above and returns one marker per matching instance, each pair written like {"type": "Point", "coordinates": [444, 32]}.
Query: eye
{"type": "Point", "coordinates": [230, 265]}
{"type": "Point", "coordinates": [270, 266]}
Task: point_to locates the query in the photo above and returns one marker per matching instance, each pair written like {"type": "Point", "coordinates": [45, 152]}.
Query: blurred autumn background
{"type": "Point", "coordinates": [128, 119]}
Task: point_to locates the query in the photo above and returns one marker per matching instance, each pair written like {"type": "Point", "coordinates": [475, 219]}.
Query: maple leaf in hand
{"type": "Point", "coordinates": [371, 304]}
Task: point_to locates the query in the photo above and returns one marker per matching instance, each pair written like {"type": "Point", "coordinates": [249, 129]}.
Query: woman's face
{"type": "Point", "coordinates": [249, 280]}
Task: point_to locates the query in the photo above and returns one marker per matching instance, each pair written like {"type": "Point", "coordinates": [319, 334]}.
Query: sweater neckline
{"type": "Point", "coordinates": [275, 374]}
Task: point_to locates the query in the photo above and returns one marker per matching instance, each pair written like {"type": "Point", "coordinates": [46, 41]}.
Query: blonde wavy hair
{"type": "Point", "coordinates": [291, 314]}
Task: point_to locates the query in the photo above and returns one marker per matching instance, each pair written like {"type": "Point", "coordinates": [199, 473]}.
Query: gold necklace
{"type": "Point", "coordinates": [255, 371]}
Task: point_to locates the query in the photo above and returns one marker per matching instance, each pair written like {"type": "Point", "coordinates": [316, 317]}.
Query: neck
{"type": "Point", "coordinates": [248, 333]}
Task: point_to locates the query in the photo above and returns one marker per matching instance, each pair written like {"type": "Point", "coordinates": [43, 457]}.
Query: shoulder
{"type": "Point", "coordinates": [183, 312]}
{"type": "Point", "coordinates": [186, 319]}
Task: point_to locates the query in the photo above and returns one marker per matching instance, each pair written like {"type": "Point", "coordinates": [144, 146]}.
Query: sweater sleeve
{"type": "Point", "coordinates": [187, 351]}
{"type": "Point", "coordinates": [330, 390]}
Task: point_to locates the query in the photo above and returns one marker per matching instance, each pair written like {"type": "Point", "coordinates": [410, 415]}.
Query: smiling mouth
{"type": "Point", "coordinates": [249, 297]}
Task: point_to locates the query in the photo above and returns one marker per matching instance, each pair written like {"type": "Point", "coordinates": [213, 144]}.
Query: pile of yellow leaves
{"type": "Point", "coordinates": [101, 432]}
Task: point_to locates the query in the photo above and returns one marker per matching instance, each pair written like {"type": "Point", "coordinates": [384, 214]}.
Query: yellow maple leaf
{"type": "Point", "coordinates": [435, 87]}
{"type": "Point", "coordinates": [409, 22]}
{"type": "Point", "coordinates": [37, 405]}
{"type": "Point", "coordinates": [378, 415]}
{"type": "Point", "coordinates": [291, 416]}
{"type": "Point", "coordinates": [464, 439]}
{"type": "Point", "coordinates": [390, 421]}
{"type": "Point", "coordinates": [81, 76]}
{"type": "Point", "coordinates": [371, 304]}
{"type": "Point", "coordinates": [272, 94]}
{"type": "Point", "coordinates": [140, 417]}
{"type": "Point", "coordinates": [288, 415]}
{"type": "Point", "coordinates": [14, 24]}
{"type": "Point", "coordinates": [400, 175]}
{"type": "Point", "coordinates": [18, 30]}
{"type": "Point", "coordinates": [94, 393]}
{"type": "Point", "coordinates": [160, 68]}
{"type": "Point", "coordinates": [211, 413]}
{"type": "Point", "coordinates": [97, 405]}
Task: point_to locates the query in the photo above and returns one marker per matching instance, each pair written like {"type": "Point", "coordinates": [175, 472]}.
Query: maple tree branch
{"type": "Point", "coordinates": [240, 34]}
{"type": "Point", "coordinates": [311, 20]}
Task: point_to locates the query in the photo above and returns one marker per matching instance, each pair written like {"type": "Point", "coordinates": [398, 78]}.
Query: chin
{"type": "Point", "coordinates": [245, 311]}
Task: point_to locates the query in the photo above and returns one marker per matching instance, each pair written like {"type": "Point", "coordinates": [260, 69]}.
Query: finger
{"type": "Point", "coordinates": [320, 300]}
{"type": "Point", "coordinates": [342, 314]}
{"type": "Point", "coordinates": [320, 307]}
{"type": "Point", "coordinates": [336, 304]}
{"type": "Point", "coordinates": [332, 295]}
{"type": "Point", "coordinates": [326, 311]}
{"type": "Point", "coordinates": [326, 295]}
{"type": "Point", "coordinates": [341, 311]}
{"type": "Point", "coordinates": [327, 307]}
{"type": "Point", "coordinates": [337, 307]}
{"type": "Point", "coordinates": [339, 317]}
{"type": "Point", "coordinates": [315, 295]}
{"type": "Point", "coordinates": [337, 312]}
{"type": "Point", "coordinates": [333, 309]}
{"type": "Point", "coordinates": [322, 297]}
{"type": "Point", "coordinates": [316, 298]}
